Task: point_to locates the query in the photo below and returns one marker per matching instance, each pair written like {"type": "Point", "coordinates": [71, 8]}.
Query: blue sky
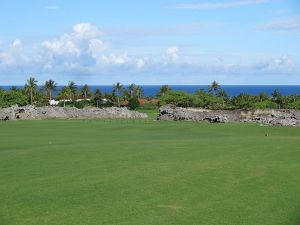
{"type": "Point", "coordinates": [150, 42]}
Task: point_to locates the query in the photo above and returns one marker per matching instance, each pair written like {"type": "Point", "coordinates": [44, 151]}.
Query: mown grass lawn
{"type": "Point", "coordinates": [136, 172]}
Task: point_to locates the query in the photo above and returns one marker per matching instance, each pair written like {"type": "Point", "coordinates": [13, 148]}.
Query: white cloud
{"type": "Point", "coordinates": [83, 51]}
{"type": "Point", "coordinates": [115, 59]}
{"type": "Point", "coordinates": [96, 48]}
{"type": "Point", "coordinates": [219, 5]}
{"type": "Point", "coordinates": [140, 63]}
{"type": "Point", "coordinates": [172, 53]}
{"type": "Point", "coordinates": [281, 64]}
{"type": "Point", "coordinates": [16, 43]}
{"type": "Point", "coordinates": [86, 31]}
{"type": "Point", "coordinates": [82, 40]}
{"type": "Point", "coordinates": [286, 24]}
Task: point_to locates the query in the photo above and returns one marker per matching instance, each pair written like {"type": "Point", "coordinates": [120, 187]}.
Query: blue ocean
{"type": "Point", "coordinates": [232, 90]}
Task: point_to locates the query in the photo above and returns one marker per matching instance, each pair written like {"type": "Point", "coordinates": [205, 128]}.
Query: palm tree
{"type": "Point", "coordinates": [223, 94]}
{"type": "Point", "coordinates": [85, 91]}
{"type": "Point", "coordinates": [73, 88]}
{"type": "Point", "coordinates": [139, 92]}
{"type": "Point", "coordinates": [277, 98]}
{"type": "Point", "coordinates": [31, 88]}
{"type": "Point", "coordinates": [50, 86]}
{"type": "Point", "coordinates": [132, 90]}
{"type": "Point", "coordinates": [97, 96]}
{"type": "Point", "coordinates": [163, 90]}
{"type": "Point", "coordinates": [214, 87]}
{"type": "Point", "coordinates": [118, 90]}
{"type": "Point", "coordinates": [65, 93]}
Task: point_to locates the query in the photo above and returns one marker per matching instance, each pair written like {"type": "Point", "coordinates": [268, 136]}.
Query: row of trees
{"type": "Point", "coordinates": [217, 98]}
{"type": "Point", "coordinates": [32, 94]}
{"type": "Point", "coordinates": [214, 98]}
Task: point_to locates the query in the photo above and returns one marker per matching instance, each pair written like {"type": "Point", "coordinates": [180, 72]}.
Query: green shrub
{"type": "Point", "coordinates": [180, 98]}
{"type": "Point", "coordinates": [264, 105]}
{"type": "Point", "coordinates": [12, 97]}
{"type": "Point", "coordinates": [133, 103]}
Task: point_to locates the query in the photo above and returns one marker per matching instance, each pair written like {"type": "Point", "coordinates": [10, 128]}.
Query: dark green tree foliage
{"type": "Point", "coordinates": [278, 99]}
{"type": "Point", "coordinates": [215, 98]}
{"type": "Point", "coordinates": [85, 91]}
{"type": "Point", "coordinates": [180, 98]}
{"type": "Point", "coordinates": [133, 103]}
{"type": "Point", "coordinates": [97, 98]}
{"type": "Point", "coordinates": [49, 87]}
{"type": "Point", "coordinates": [31, 89]}
{"type": "Point", "coordinates": [118, 91]}
{"type": "Point", "coordinates": [12, 97]}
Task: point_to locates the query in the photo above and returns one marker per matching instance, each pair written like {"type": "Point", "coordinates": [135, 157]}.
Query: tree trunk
{"type": "Point", "coordinates": [31, 98]}
{"type": "Point", "coordinates": [119, 102]}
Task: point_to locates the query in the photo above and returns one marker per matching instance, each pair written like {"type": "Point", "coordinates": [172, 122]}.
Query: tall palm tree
{"type": "Point", "coordinates": [163, 90]}
{"type": "Point", "coordinates": [85, 91]}
{"type": "Point", "coordinates": [139, 92]}
{"type": "Point", "coordinates": [277, 98]}
{"type": "Point", "coordinates": [214, 87]}
{"type": "Point", "coordinates": [132, 90]}
{"type": "Point", "coordinates": [97, 97]}
{"type": "Point", "coordinates": [65, 93]}
{"type": "Point", "coordinates": [50, 86]}
{"type": "Point", "coordinates": [118, 90]}
{"type": "Point", "coordinates": [31, 88]}
{"type": "Point", "coordinates": [73, 88]}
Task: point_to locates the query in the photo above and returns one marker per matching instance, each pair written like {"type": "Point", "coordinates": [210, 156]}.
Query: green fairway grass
{"type": "Point", "coordinates": [145, 172]}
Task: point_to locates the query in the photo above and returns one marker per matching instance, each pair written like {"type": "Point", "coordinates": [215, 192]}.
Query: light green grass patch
{"type": "Point", "coordinates": [135, 172]}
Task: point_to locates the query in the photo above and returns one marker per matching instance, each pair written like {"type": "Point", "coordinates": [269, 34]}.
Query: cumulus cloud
{"type": "Point", "coordinates": [83, 38]}
{"type": "Point", "coordinates": [219, 5]}
{"type": "Point", "coordinates": [84, 51]}
{"type": "Point", "coordinates": [285, 24]}
{"type": "Point", "coordinates": [115, 59]}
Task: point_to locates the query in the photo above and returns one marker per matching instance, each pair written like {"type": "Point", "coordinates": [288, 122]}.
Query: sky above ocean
{"type": "Point", "coordinates": [150, 42]}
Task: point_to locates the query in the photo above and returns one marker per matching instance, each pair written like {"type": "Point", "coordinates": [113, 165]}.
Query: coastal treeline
{"type": "Point", "coordinates": [132, 96]}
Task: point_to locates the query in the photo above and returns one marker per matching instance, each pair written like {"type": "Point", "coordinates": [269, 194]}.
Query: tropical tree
{"type": "Point", "coordinates": [214, 87]}
{"type": "Point", "coordinates": [135, 91]}
{"type": "Point", "coordinates": [118, 90]}
{"type": "Point", "coordinates": [97, 97]}
{"type": "Point", "coordinates": [73, 88]}
{"type": "Point", "coordinates": [224, 96]}
{"type": "Point", "coordinates": [49, 87]}
{"type": "Point", "coordinates": [132, 90]}
{"type": "Point", "coordinates": [31, 88]}
{"type": "Point", "coordinates": [163, 90]}
{"type": "Point", "coordinates": [277, 98]}
{"type": "Point", "coordinates": [139, 92]}
{"type": "Point", "coordinates": [85, 91]}
{"type": "Point", "coordinates": [65, 93]}
{"type": "Point", "coordinates": [12, 97]}
{"type": "Point", "coordinates": [263, 96]}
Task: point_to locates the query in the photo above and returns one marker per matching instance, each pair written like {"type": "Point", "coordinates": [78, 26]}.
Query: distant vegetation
{"type": "Point", "coordinates": [133, 97]}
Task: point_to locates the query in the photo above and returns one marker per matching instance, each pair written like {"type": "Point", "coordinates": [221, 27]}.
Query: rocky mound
{"type": "Point", "coordinates": [271, 117]}
{"type": "Point", "coordinates": [35, 113]}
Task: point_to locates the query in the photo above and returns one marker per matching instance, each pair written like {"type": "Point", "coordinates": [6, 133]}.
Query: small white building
{"type": "Point", "coordinates": [52, 102]}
